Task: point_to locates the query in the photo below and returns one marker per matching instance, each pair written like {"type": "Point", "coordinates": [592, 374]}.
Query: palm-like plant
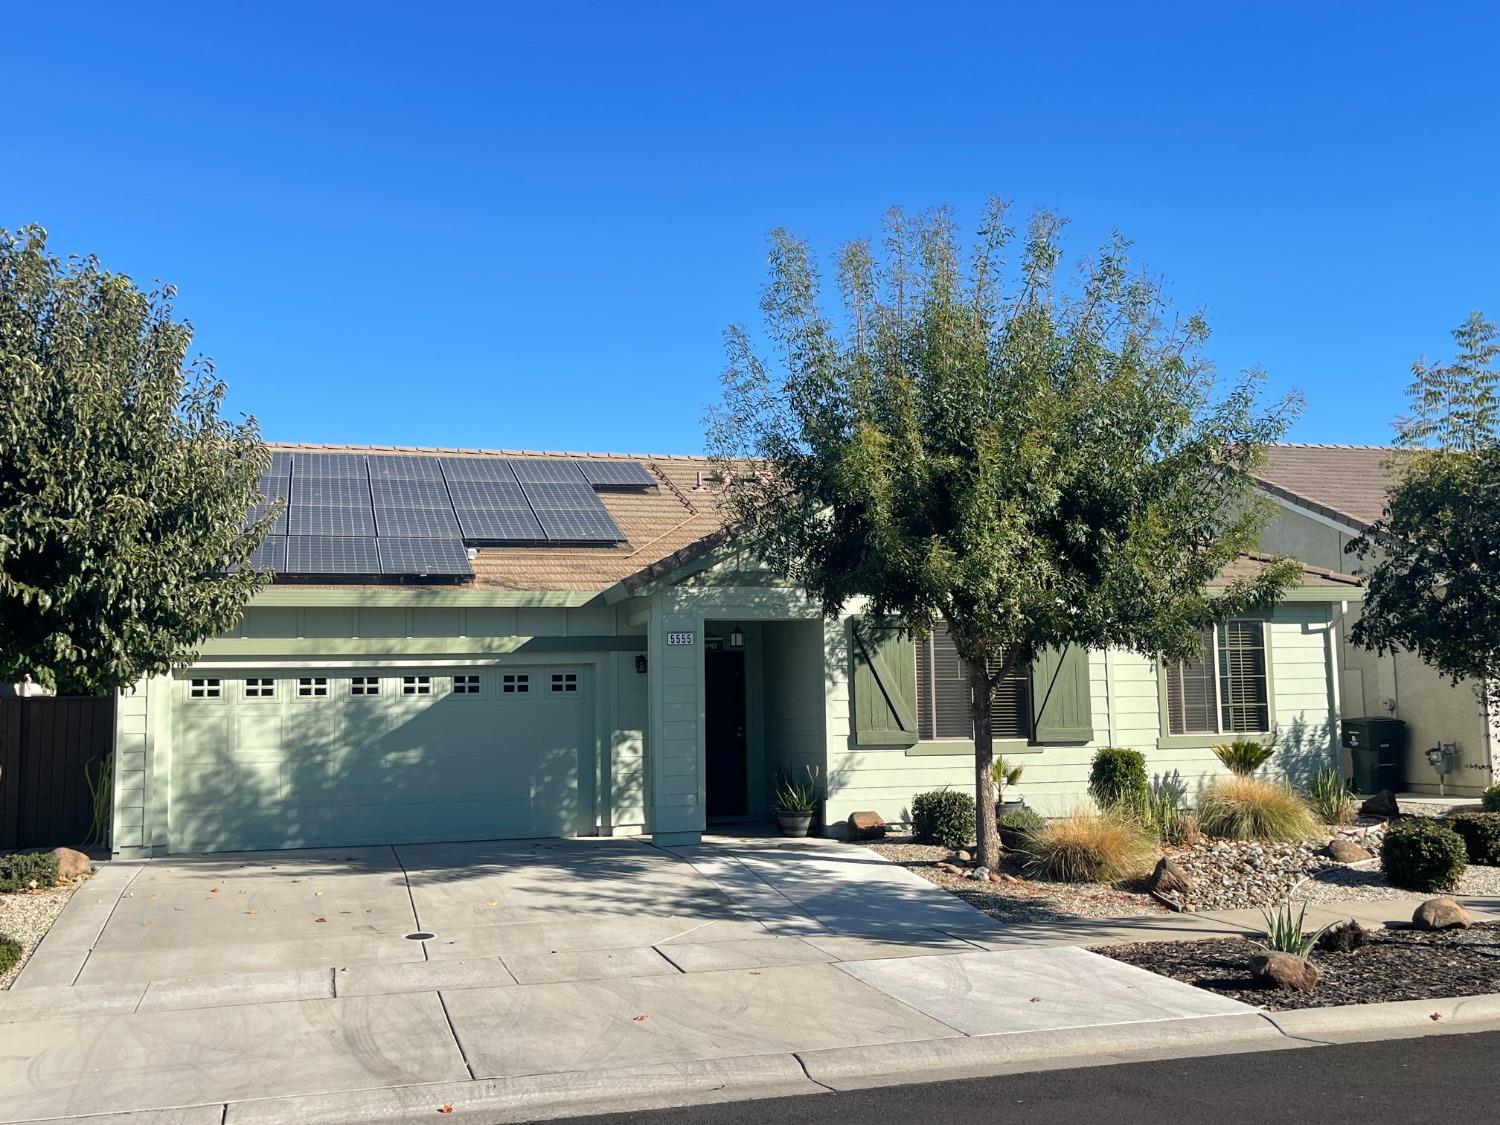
{"type": "Point", "coordinates": [1005, 773]}
{"type": "Point", "coordinates": [1244, 755]}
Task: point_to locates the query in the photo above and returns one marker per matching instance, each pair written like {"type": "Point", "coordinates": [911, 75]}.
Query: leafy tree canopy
{"type": "Point", "coordinates": [1434, 582]}
{"type": "Point", "coordinates": [123, 493]}
{"type": "Point", "coordinates": [1035, 465]}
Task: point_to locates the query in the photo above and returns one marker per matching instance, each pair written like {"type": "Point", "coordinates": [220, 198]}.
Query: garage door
{"type": "Point", "coordinates": [315, 757]}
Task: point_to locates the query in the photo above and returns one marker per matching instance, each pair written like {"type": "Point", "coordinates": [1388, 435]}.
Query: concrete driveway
{"type": "Point", "coordinates": [243, 981]}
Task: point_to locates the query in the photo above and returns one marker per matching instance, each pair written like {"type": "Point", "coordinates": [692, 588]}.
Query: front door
{"type": "Point", "coordinates": [724, 736]}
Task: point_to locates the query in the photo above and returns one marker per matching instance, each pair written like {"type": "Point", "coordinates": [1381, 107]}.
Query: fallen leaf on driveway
{"type": "Point", "coordinates": [249, 912]}
{"type": "Point", "coordinates": [638, 1019]}
{"type": "Point", "coordinates": [445, 1109]}
{"type": "Point", "coordinates": [1436, 1016]}
{"type": "Point", "coordinates": [317, 892]}
{"type": "Point", "coordinates": [1036, 999]}
{"type": "Point", "coordinates": [214, 891]}
{"type": "Point", "coordinates": [320, 919]}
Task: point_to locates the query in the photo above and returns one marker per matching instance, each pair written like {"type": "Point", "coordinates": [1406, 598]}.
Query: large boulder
{"type": "Point", "coordinates": [1345, 850]}
{"type": "Point", "coordinates": [1283, 971]}
{"type": "Point", "coordinates": [864, 826]}
{"type": "Point", "coordinates": [1169, 879]}
{"type": "Point", "coordinates": [1382, 804]}
{"type": "Point", "coordinates": [1442, 913]}
{"type": "Point", "coordinates": [72, 864]}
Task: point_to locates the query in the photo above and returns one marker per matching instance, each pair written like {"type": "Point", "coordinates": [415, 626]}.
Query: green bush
{"type": "Point", "coordinates": [1422, 854]}
{"type": "Point", "coordinates": [1481, 836]}
{"type": "Point", "coordinates": [10, 953]}
{"type": "Point", "coordinates": [943, 816]}
{"type": "Point", "coordinates": [1244, 755]}
{"type": "Point", "coordinates": [1490, 802]}
{"type": "Point", "coordinates": [19, 871]}
{"type": "Point", "coordinates": [1253, 808]}
{"type": "Point", "coordinates": [1117, 779]}
{"type": "Point", "coordinates": [1015, 825]}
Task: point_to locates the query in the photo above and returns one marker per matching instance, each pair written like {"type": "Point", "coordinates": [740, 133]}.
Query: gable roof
{"type": "Point", "coordinates": [1346, 483]}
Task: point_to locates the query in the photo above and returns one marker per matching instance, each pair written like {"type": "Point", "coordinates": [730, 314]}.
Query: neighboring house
{"type": "Point", "coordinates": [473, 646]}
{"type": "Point", "coordinates": [1328, 495]}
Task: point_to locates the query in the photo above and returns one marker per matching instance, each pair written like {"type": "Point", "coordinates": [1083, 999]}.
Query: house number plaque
{"type": "Point", "coordinates": [679, 638]}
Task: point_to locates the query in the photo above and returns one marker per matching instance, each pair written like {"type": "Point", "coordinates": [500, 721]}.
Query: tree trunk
{"type": "Point", "coordinates": [987, 833]}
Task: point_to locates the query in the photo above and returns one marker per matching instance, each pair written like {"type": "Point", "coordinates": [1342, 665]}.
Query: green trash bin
{"type": "Point", "coordinates": [1376, 746]}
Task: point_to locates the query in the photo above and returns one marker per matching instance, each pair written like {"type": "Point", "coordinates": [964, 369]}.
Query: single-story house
{"type": "Point", "coordinates": [1327, 495]}
{"type": "Point", "coordinates": [471, 645]}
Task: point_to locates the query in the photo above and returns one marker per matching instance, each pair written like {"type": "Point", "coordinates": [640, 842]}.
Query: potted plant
{"type": "Point", "coordinates": [1006, 773]}
{"type": "Point", "coordinates": [796, 802]}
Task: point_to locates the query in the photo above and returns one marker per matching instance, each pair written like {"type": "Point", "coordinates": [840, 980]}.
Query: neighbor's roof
{"type": "Point", "coordinates": [679, 515]}
{"type": "Point", "coordinates": [1347, 483]}
{"type": "Point", "coordinates": [1249, 565]}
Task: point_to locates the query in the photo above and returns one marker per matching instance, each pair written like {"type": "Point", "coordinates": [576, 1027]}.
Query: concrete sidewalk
{"type": "Point", "coordinates": [518, 980]}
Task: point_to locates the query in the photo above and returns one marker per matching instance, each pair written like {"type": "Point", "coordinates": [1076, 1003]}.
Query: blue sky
{"type": "Point", "coordinates": [527, 226]}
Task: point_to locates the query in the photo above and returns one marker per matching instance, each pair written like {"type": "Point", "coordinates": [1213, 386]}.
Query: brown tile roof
{"type": "Point", "coordinates": [659, 524]}
{"type": "Point", "coordinates": [1248, 565]}
{"type": "Point", "coordinates": [1348, 483]}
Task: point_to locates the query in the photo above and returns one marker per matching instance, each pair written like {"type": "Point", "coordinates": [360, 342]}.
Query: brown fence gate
{"type": "Point", "coordinates": [47, 747]}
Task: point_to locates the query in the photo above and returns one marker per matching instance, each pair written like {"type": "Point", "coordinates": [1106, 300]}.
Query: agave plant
{"type": "Point", "coordinates": [796, 796]}
{"type": "Point", "coordinates": [1288, 934]}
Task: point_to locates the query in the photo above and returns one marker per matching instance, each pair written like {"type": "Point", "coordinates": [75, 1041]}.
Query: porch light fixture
{"type": "Point", "coordinates": [737, 637]}
{"type": "Point", "coordinates": [640, 664]}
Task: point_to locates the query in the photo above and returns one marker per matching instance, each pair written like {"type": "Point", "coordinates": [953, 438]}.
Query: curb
{"type": "Point", "coordinates": [1389, 1020]}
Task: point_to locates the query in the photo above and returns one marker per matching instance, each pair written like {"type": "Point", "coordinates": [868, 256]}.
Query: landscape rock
{"type": "Point", "coordinates": [1227, 875]}
{"type": "Point", "coordinates": [962, 857]}
{"type": "Point", "coordinates": [1382, 804]}
{"type": "Point", "coordinates": [949, 868]}
{"type": "Point", "coordinates": [1441, 913]}
{"type": "Point", "coordinates": [865, 826]}
{"type": "Point", "coordinates": [980, 873]}
{"type": "Point", "coordinates": [1345, 850]}
{"type": "Point", "coordinates": [72, 864]}
{"type": "Point", "coordinates": [1284, 971]}
{"type": "Point", "coordinates": [1168, 878]}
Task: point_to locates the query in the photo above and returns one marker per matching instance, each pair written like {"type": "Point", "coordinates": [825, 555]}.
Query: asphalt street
{"type": "Point", "coordinates": [1439, 1077]}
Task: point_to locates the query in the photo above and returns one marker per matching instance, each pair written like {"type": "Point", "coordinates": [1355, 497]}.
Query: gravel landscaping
{"type": "Point", "coordinates": [27, 917]}
{"type": "Point", "coordinates": [1395, 964]}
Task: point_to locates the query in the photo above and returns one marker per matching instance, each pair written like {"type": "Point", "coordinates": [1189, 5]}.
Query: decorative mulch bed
{"type": "Point", "coordinates": [1395, 964]}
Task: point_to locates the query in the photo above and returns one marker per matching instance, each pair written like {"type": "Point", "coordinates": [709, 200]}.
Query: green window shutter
{"type": "Point", "coordinates": [883, 708]}
{"type": "Point", "coordinates": [1062, 709]}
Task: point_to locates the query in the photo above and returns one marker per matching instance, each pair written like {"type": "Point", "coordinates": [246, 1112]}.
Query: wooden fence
{"type": "Point", "coordinates": [46, 744]}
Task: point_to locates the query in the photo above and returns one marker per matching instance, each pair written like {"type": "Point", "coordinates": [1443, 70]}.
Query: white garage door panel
{"type": "Point", "coordinates": [294, 771]}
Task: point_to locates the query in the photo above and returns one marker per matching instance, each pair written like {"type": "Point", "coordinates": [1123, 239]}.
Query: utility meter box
{"type": "Point", "coordinates": [1375, 746]}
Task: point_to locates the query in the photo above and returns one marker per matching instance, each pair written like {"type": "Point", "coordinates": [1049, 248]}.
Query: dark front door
{"type": "Point", "coordinates": [724, 738]}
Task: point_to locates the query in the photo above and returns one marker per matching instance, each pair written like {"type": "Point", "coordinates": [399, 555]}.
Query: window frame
{"type": "Point", "coordinates": [266, 689]}
{"type": "Point", "coordinates": [943, 747]}
{"type": "Point", "coordinates": [1200, 740]}
{"type": "Point", "coordinates": [213, 684]}
{"type": "Point", "coordinates": [367, 680]}
{"type": "Point", "coordinates": [312, 694]}
{"type": "Point", "coordinates": [478, 685]}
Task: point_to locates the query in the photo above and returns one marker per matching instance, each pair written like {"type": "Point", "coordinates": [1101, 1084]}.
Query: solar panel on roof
{"type": "Point", "coordinates": [477, 468]}
{"type": "Point", "coordinates": [500, 495]}
{"type": "Point", "coordinates": [331, 492]}
{"type": "Point", "coordinates": [410, 493]}
{"type": "Point", "coordinates": [403, 466]}
{"type": "Point", "coordinates": [258, 510]}
{"type": "Point", "coordinates": [306, 520]}
{"type": "Point", "coordinates": [270, 555]}
{"type": "Point", "coordinates": [416, 523]}
{"type": "Point", "coordinates": [578, 527]}
{"type": "Point", "coordinates": [273, 486]}
{"type": "Point", "coordinates": [546, 470]}
{"type": "Point", "coordinates": [308, 465]}
{"type": "Point", "coordinates": [579, 496]}
{"type": "Point", "coordinates": [489, 526]}
{"type": "Point", "coordinates": [418, 557]}
{"type": "Point", "coordinates": [616, 474]}
{"type": "Point", "coordinates": [280, 463]}
{"type": "Point", "coordinates": [327, 554]}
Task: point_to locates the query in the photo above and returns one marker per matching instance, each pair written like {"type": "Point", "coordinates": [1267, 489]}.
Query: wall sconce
{"type": "Point", "coordinates": [737, 637]}
{"type": "Point", "coordinates": [640, 664]}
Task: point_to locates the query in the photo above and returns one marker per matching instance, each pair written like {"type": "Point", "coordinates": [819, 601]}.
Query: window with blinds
{"type": "Point", "coordinates": [943, 695]}
{"type": "Point", "coordinates": [1225, 691]}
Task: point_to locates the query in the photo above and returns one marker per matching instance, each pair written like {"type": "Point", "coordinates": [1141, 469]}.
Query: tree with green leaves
{"type": "Point", "coordinates": [1036, 466]}
{"type": "Point", "coordinates": [1433, 583]}
{"type": "Point", "coordinates": [123, 492]}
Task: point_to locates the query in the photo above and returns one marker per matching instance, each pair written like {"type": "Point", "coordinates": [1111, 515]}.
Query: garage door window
{"type": "Point", "coordinates": [205, 689]}
{"type": "Point", "coordinates": [416, 685]}
{"type": "Point", "coordinates": [515, 683]}
{"type": "Point", "coordinates": [564, 681]}
{"type": "Point", "coordinates": [364, 685]}
{"type": "Point", "coordinates": [312, 687]}
{"type": "Point", "coordinates": [466, 685]}
{"type": "Point", "coordinates": [260, 689]}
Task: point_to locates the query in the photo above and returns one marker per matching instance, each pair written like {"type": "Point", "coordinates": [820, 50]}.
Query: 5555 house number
{"type": "Point", "coordinates": [679, 638]}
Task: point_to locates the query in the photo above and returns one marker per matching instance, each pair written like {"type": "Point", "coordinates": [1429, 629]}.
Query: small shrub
{"type": "Point", "coordinates": [1117, 779]}
{"type": "Point", "coordinates": [1165, 812]}
{"type": "Point", "coordinates": [1329, 797]}
{"type": "Point", "coordinates": [21, 871]}
{"type": "Point", "coordinates": [1490, 802]}
{"type": "Point", "coordinates": [1422, 854]}
{"type": "Point", "coordinates": [1343, 937]}
{"type": "Point", "coordinates": [1089, 847]}
{"type": "Point", "coordinates": [1481, 836]}
{"type": "Point", "coordinates": [10, 953]}
{"type": "Point", "coordinates": [1286, 933]}
{"type": "Point", "coordinates": [1015, 826]}
{"type": "Point", "coordinates": [943, 816]}
{"type": "Point", "coordinates": [1244, 756]}
{"type": "Point", "coordinates": [1252, 808]}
